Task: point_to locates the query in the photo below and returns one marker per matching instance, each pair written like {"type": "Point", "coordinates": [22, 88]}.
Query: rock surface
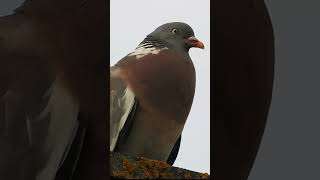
{"type": "Point", "coordinates": [125, 167]}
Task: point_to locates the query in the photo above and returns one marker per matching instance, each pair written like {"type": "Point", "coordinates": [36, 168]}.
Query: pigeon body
{"type": "Point", "coordinates": [151, 93]}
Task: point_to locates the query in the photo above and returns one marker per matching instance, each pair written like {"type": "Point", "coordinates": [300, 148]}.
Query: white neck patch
{"type": "Point", "coordinates": [143, 50]}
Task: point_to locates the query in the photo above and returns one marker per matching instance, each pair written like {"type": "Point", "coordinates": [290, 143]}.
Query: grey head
{"type": "Point", "coordinates": [175, 35]}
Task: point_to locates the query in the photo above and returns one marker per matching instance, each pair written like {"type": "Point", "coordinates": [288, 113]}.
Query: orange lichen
{"type": "Point", "coordinates": [142, 168]}
{"type": "Point", "coordinates": [151, 168]}
{"type": "Point", "coordinates": [127, 165]}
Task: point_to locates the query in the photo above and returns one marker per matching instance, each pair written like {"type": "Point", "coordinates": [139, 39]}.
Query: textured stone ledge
{"type": "Point", "coordinates": [125, 167]}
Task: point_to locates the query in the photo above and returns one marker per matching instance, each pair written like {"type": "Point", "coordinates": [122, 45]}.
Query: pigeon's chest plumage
{"type": "Point", "coordinates": [163, 80]}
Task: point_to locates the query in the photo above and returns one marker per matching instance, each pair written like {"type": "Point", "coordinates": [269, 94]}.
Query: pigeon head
{"type": "Point", "coordinates": [176, 35]}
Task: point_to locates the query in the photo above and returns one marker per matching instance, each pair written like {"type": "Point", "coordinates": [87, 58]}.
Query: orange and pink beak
{"type": "Point", "coordinates": [196, 43]}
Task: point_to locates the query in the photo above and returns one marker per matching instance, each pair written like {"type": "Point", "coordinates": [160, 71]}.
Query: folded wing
{"type": "Point", "coordinates": [122, 102]}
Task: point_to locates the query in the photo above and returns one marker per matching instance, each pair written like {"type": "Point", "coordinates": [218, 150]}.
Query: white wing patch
{"type": "Point", "coordinates": [141, 51]}
{"type": "Point", "coordinates": [125, 104]}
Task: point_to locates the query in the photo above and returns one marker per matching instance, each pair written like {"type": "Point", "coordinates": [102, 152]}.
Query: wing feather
{"type": "Point", "coordinates": [122, 101]}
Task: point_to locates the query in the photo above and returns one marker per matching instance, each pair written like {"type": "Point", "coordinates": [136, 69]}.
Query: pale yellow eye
{"type": "Point", "coordinates": [175, 31]}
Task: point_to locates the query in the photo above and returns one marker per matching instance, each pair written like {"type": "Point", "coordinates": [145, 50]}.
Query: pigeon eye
{"type": "Point", "coordinates": [175, 31]}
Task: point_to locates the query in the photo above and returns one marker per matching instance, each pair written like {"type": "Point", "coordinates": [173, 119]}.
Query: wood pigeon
{"type": "Point", "coordinates": [151, 93]}
{"type": "Point", "coordinates": [52, 91]}
{"type": "Point", "coordinates": [243, 70]}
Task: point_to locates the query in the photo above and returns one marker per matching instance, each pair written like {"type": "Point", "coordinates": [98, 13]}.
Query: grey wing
{"type": "Point", "coordinates": [122, 101]}
{"type": "Point", "coordinates": [33, 144]}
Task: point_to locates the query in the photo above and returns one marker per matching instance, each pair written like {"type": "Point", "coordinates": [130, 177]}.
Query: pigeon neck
{"type": "Point", "coordinates": [152, 42]}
